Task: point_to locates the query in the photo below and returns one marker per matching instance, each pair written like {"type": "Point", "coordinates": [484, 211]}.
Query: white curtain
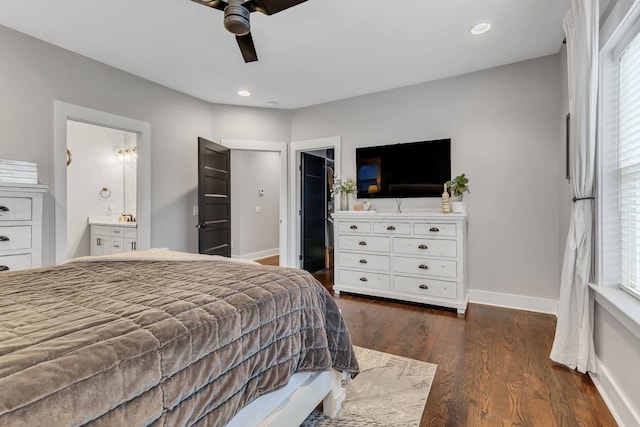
{"type": "Point", "coordinates": [573, 343]}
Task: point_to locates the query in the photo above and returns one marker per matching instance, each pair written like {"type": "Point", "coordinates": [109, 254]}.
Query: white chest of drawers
{"type": "Point", "coordinates": [417, 257]}
{"type": "Point", "coordinates": [109, 239]}
{"type": "Point", "coordinates": [21, 226]}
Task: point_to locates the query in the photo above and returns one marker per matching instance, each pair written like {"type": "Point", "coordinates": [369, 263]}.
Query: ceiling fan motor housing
{"type": "Point", "coordinates": [236, 19]}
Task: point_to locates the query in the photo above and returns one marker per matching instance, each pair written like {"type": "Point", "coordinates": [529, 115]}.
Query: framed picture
{"type": "Point", "coordinates": [568, 132]}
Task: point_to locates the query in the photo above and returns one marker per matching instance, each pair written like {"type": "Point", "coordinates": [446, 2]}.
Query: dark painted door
{"type": "Point", "coordinates": [313, 212]}
{"type": "Point", "coordinates": [214, 198]}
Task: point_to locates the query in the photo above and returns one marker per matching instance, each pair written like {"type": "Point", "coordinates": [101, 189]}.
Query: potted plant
{"type": "Point", "coordinates": [344, 189]}
{"type": "Point", "coordinates": [457, 187]}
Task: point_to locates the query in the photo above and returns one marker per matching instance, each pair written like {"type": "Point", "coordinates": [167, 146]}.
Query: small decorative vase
{"type": "Point", "coordinates": [459, 206]}
{"type": "Point", "coordinates": [344, 201]}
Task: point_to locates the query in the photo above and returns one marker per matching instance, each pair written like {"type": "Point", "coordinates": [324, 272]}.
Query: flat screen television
{"type": "Point", "coordinates": [415, 169]}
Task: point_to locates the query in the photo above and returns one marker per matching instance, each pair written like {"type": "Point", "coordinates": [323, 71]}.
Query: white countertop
{"type": "Point", "coordinates": [404, 214]}
{"type": "Point", "coordinates": [110, 220]}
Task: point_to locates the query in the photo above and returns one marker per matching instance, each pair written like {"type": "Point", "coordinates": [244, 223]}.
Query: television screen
{"type": "Point", "coordinates": [415, 169]}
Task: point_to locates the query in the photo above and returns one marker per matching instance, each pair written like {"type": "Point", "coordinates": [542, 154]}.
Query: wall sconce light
{"type": "Point", "coordinates": [127, 154]}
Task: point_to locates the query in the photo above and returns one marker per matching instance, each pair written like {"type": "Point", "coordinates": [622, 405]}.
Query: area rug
{"type": "Point", "coordinates": [389, 391]}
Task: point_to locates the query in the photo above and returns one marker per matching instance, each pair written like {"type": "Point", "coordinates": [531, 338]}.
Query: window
{"type": "Point", "coordinates": [629, 165]}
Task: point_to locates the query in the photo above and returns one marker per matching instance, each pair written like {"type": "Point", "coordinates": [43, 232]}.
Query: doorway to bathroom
{"type": "Point", "coordinates": [139, 236]}
{"type": "Point", "coordinates": [101, 189]}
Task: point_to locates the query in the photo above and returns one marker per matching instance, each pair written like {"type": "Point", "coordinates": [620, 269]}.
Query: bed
{"type": "Point", "coordinates": [164, 338]}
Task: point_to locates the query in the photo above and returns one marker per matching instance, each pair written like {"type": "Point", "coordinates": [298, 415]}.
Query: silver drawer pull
{"type": "Point", "coordinates": [4, 268]}
{"type": "Point", "coordinates": [363, 243]}
{"type": "Point", "coordinates": [423, 247]}
{"type": "Point", "coordinates": [363, 279]}
{"type": "Point", "coordinates": [4, 239]}
{"type": "Point", "coordinates": [354, 227]}
{"type": "Point", "coordinates": [363, 261]}
{"type": "Point", "coordinates": [423, 287]}
{"type": "Point", "coordinates": [4, 209]}
{"type": "Point", "coordinates": [391, 228]}
{"type": "Point", "coordinates": [116, 231]}
{"type": "Point", "coordinates": [434, 229]}
{"type": "Point", "coordinates": [423, 267]}
{"type": "Point", "coordinates": [116, 246]}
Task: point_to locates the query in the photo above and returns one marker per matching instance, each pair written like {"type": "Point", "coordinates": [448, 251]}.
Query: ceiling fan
{"type": "Point", "coordinates": [236, 18]}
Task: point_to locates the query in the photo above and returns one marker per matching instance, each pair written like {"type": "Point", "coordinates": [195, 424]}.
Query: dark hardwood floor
{"type": "Point", "coordinates": [493, 364]}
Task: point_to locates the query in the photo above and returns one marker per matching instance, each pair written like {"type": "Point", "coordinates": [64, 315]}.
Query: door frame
{"type": "Point", "coordinates": [64, 111]}
{"type": "Point", "coordinates": [295, 190]}
{"type": "Point", "coordinates": [281, 148]}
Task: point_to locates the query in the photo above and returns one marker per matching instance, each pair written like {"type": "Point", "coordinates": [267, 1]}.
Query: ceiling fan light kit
{"type": "Point", "coordinates": [237, 18]}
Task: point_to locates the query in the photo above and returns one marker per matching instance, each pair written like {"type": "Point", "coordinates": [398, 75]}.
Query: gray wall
{"type": "Point", "coordinates": [254, 232]}
{"type": "Point", "coordinates": [504, 128]}
{"type": "Point", "coordinates": [503, 123]}
{"type": "Point", "coordinates": [34, 74]}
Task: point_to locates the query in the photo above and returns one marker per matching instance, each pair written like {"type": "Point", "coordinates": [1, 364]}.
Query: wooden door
{"type": "Point", "coordinates": [313, 212]}
{"type": "Point", "coordinates": [214, 198]}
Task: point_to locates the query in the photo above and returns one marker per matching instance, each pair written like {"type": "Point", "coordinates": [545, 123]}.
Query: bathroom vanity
{"type": "Point", "coordinates": [110, 236]}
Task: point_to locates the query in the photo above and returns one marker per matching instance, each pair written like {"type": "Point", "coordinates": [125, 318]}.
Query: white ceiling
{"type": "Point", "coordinates": [318, 51]}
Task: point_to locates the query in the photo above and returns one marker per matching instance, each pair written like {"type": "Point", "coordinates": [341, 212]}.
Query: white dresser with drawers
{"type": "Point", "coordinates": [21, 226]}
{"type": "Point", "coordinates": [416, 256]}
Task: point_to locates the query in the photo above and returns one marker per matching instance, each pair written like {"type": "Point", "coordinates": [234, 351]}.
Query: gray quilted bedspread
{"type": "Point", "coordinates": [158, 343]}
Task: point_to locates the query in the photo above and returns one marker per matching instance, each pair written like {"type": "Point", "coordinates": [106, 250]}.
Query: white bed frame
{"type": "Point", "coordinates": [291, 405]}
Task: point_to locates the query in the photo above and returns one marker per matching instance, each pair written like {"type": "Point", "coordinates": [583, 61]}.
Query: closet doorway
{"type": "Point", "coordinates": [317, 207]}
{"type": "Point", "coordinates": [321, 148]}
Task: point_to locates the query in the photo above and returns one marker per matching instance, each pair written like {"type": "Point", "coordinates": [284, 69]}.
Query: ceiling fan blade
{"type": "Point", "coordinates": [216, 4]}
{"type": "Point", "coordinates": [269, 7]}
{"type": "Point", "coordinates": [247, 47]}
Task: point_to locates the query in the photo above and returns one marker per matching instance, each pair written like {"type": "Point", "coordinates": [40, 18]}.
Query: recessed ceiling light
{"type": "Point", "coordinates": [244, 93]}
{"type": "Point", "coordinates": [272, 104]}
{"type": "Point", "coordinates": [481, 28]}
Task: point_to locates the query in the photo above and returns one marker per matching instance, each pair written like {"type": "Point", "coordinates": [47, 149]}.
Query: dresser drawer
{"type": "Point", "coordinates": [392, 227]}
{"type": "Point", "coordinates": [364, 243]}
{"type": "Point", "coordinates": [15, 262]}
{"type": "Point", "coordinates": [117, 231]}
{"type": "Point", "coordinates": [364, 279]}
{"type": "Point", "coordinates": [426, 287]}
{"type": "Point", "coordinates": [425, 267]}
{"type": "Point", "coordinates": [434, 229]}
{"type": "Point", "coordinates": [15, 237]}
{"type": "Point", "coordinates": [117, 245]}
{"type": "Point", "coordinates": [429, 247]}
{"type": "Point", "coordinates": [354, 227]}
{"type": "Point", "coordinates": [15, 209]}
{"type": "Point", "coordinates": [365, 261]}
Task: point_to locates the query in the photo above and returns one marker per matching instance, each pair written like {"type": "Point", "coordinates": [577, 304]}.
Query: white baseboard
{"type": "Point", "coordinates": [519, 302]}
{"type": "Point", "coordinates": [258, 255]}
{"type": "Point", "coordinates": [618, 404]}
